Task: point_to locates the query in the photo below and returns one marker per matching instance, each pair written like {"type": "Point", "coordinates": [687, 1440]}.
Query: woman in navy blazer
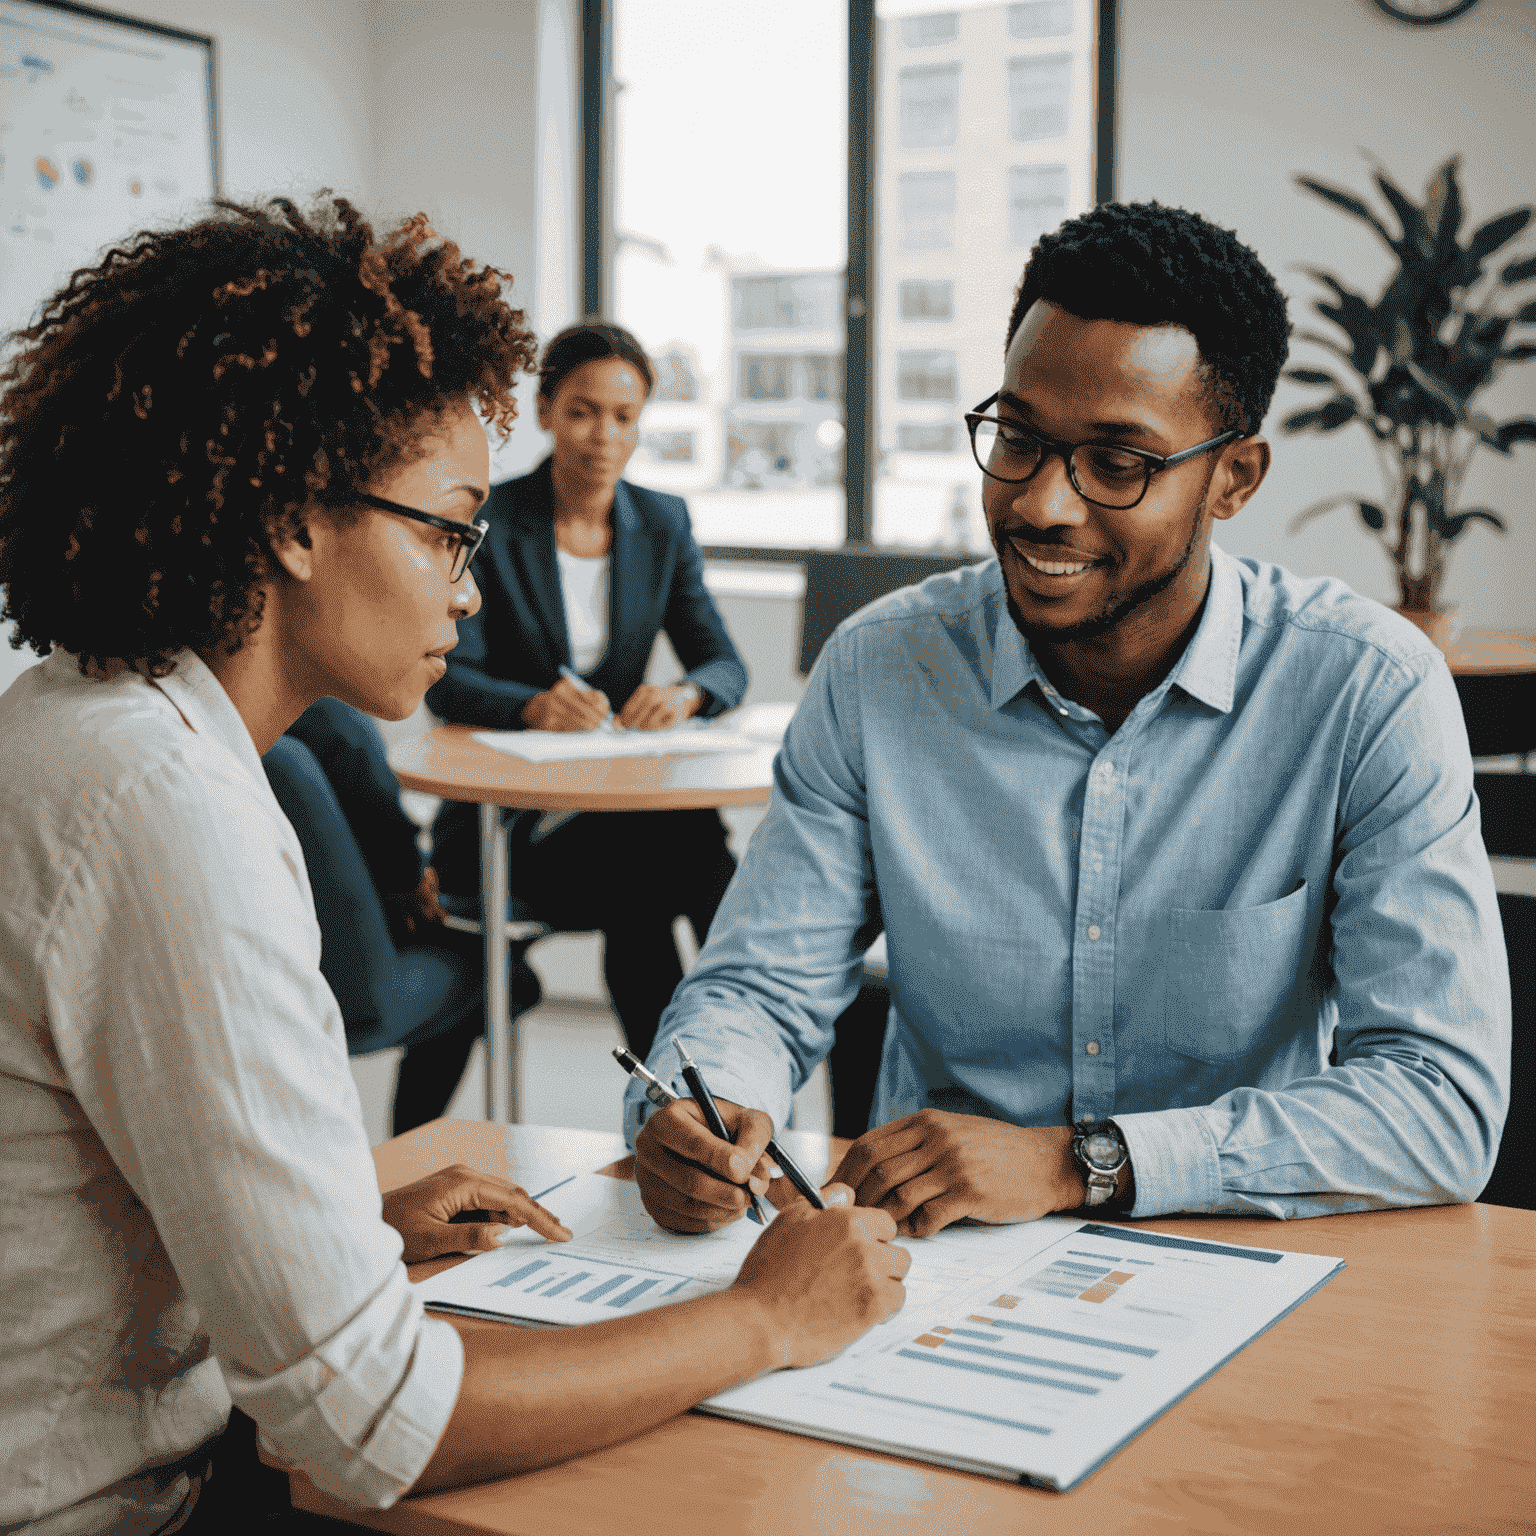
{"type": "Point", "coordinates": [629, 875]}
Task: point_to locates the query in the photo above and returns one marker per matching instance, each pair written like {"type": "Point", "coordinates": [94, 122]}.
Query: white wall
{"type": "Point", "coordinates": [1221, 104]}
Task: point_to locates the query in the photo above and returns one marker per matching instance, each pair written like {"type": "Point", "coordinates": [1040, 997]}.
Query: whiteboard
{"type": "Point", "coordinates": [107, 127]}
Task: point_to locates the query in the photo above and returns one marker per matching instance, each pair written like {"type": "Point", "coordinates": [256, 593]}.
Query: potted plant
{"type": "Point", "coordinates": [1414, 361]}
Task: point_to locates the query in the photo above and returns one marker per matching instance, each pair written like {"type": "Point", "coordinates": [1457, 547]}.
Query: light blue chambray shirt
{"type": "Point", "coordinates": [1277, 853]}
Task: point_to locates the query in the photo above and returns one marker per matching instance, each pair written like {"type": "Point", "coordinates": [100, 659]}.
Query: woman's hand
{"type": "Point", "coordinates": [421, 1213]}
{"type": "Point", "coordinates": [659, 709]}
{"type": "Point", "coordinates": [566, 707]}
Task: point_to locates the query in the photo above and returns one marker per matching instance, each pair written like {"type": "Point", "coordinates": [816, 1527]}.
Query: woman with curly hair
{"type": "Point", "coordinates": [240, 464]}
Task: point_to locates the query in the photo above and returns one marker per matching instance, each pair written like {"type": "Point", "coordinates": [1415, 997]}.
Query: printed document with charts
{"type": "Point", "coordinates": [1031, 1352]}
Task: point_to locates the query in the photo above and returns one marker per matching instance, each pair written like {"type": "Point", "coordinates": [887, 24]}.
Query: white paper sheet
{"type": "Point", "coordinates": [578, 746]}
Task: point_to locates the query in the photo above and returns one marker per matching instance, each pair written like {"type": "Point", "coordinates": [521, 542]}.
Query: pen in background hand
{"type": "Point", "coordinates": [706, 1101]}
{"type": "Point", "coordinates": [572, 676]}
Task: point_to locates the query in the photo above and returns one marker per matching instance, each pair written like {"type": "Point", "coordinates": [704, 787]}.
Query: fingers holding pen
{"type": "Point", "coordinates": [689, 1179]}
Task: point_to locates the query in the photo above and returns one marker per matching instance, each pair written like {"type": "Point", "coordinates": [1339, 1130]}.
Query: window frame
{"type": "Point", "coordinates": [597, 245]}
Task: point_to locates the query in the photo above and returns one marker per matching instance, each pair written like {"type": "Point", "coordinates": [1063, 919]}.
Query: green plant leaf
{"type": "Point", "coordinates": [1442, 391]}
{"type": "Point", "coordinates": [1349, 203]}
{"type": "Point", "coordinates": [1311, 376]}
{"type": "Point", "coordinates": [1443, 208]}
{"type": "Point", "coordinates": [1518, 271]}
{"type": "Point", "coordinates": [1327, 417]}
{"type": "Point", "coordinates": [1497, 232]}
{"type": "Point", "coordinates": [1518, 353]}
{"type": "Point", "coordinates": [1371, 515]}
{"type": "Point", "coordinates": [1522, 430]}
{"type": "Point", "coordinates": [1417, 234]}
{"type": "Point", "coordinates": [1526, 314]}
{"type": "Point", "coordinates": [1454, 526]}
{"type": "Point", "coordinates": [1327, 504]}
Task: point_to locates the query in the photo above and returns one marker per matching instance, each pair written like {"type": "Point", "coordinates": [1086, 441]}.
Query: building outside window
{"type": "Point", "coordinates": [927, 210]}
{"type": "Point", "coordinates": [1040, 18]}
{"type": "Point", "coordinates": [955, 226]}
{"type": "Point", "coordinates": [930, 105]}
{"type": "Point", "coordinates": [921, 299]}
{"type": "Point", "coordinates": [926, 31]}
{"type": "Point", "coordinates": [1037, 201]}
{"type": "Point", "coordinates": [1039, 93]}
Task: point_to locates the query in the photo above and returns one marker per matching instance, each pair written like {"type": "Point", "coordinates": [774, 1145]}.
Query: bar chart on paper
{"type": "Point", "coordinates": [1047, 1373]}
{"type": "Point", "coordinates": [620, 1262]}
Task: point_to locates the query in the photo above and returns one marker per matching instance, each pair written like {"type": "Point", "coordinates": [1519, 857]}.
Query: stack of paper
{"type": "Point", "coordinates": [575, 746]}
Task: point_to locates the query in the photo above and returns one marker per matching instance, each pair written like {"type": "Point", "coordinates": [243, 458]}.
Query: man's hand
{"type": "Point", "coordinates": [825, 1277]}
{"type": "Point", "coordinates": [420, 1213]}
{"type": "Point", "coordinates": [566, 707]}
{"type": "Point", "coordinates": [658, 709]}
{"type": "Point", "coordinates": [689, 1179]}
{"type": "Point", "coordinates": [933, 1168]}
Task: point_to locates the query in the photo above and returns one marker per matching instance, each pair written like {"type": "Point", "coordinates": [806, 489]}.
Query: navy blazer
{"type": "Point", "coordinates": [514, 647]}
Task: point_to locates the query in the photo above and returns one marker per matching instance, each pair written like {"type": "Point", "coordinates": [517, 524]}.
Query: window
{"type": "Point", "coordinates": [1040, 18]}
{"type": "Point", "coordinates": [1037, 201]}
{"type": "Point", "coordinates": [823, 376]}
{"type": "Point", "coordinates": [924, 31]}
{"type": "Point", "coordinates": [764, 377]}
{"type": "Point", "coordinates": [927, 375]}
{"type": "Point", "coordinates": [724, 248]}
{"type": "Point", "coordinates": [921, 299]}
{"type": "Point", "coordinates": [927, 210]}
{"type": "Point", "coordinates": [669, 447]}
{"type": "Point", "coordinates": [675, 379]}
{"type": "Point", "coordinates": [1038, 92]}
{"type": "Point", "coordinates": [927, 436]}
{"type": "Point", "coordinates": [930, 105]}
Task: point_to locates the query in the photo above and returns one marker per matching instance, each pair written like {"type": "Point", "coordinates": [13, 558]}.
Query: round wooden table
{"type": "Point", "coordinates": [451, 763]}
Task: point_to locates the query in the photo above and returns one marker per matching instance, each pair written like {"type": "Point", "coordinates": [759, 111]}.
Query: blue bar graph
{"type": "Point", "coordinates": [917, 1402]}
{"type": "Point", "coordinates": [1069, 1338]}
{"type": "Point", "coordinates": [928, 1356]}
{"type": "Point", "coordinates": [604, 1288]}
{"type": "Point", "coordinates": [624, 1298]}
{"type": "Point", "coordinates": [1049, 1365]}
{"type": "Point", "coordinates": [560, 1285]}
{"type": "Point", "coordinates": [521, 1274]}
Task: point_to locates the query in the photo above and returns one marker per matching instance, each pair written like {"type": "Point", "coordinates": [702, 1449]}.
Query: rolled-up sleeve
{"type": "Point", "coordinates": [191, 1019]}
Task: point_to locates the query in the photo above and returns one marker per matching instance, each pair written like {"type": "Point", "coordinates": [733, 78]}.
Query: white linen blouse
{"type": "Point", "coordinates": [188, 1209]}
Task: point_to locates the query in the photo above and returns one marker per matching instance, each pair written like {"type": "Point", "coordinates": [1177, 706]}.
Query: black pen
{"type": "Point", "coordinates": [706, 1101]}
{"type": "Point", "coordinates": [660, 1095]}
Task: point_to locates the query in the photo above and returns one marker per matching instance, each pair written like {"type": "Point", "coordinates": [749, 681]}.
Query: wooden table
{"type": "Point", "coordinates": [451, 763]}
{"type": "Point", "coordinates": [1399, 1398]}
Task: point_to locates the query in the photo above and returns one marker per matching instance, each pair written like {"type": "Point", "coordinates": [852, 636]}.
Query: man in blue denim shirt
{"type": "Point", "coordinates": [1176, 844]}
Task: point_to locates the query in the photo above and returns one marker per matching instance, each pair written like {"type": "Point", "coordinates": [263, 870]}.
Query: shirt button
{"type": "Point", "coordinates": [1061, 711]}
{"type": "Point", "coordinates": [1093, 1047]}
{"type": "Point", "coordinates": [1098, 866]}
{"type": "Point", "coordinates": [1093, 931]}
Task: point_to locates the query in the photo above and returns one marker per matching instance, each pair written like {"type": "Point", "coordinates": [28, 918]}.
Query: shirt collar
{"type": "Point", "coordinates": [1207, 670]}
{"type": "Point", "coordinates": [202, 702]}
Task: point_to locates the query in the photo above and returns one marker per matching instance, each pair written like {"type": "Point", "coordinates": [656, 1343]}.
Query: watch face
{"type": "Point", "coordinates": [1102, 1150]}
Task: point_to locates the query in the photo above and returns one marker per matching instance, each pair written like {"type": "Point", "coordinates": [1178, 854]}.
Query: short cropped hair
{"type": "Point", "coordinates": [590, 341]}
{"type": "Point", "coordinates": [180, 406]}
{"type": "Point", "coordinates": [1151, 265]}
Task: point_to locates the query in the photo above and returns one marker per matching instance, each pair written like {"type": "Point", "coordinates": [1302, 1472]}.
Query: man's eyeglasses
{"type": "Point", "coordinates": [470, 535]}
{"type": "Point", "coordinates": [1107, 474]}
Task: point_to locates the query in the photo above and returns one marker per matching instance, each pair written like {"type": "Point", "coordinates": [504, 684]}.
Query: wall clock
{"type": "Point", "coordinates": [1425, 13]}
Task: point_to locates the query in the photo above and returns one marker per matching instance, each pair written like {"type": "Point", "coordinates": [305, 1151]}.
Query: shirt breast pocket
{"type": "Point", "coordinates": [1230, 974]}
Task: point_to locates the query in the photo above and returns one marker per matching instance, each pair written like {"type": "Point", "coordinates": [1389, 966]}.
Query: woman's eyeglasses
{"type": "Point", "coordinates": [1107, 474]}
{"type": "Point", "coordinates": [470, 535]}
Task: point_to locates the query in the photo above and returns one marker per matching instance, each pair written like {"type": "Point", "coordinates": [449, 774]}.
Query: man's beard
{"type": "Point", "coordinates": [1113, 612]}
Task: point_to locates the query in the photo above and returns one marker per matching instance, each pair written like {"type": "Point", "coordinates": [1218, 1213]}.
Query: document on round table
{"type": "Point", "coordinates": [743, 730]}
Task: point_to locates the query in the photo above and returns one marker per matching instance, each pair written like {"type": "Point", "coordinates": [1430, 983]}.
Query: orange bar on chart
{"type": "Point", "coordinates": [1099, 1292]}
{"type": "Point", "coordinates": [1010, 1302]}
{"type": "Point", "coordinates": [929, 1340]}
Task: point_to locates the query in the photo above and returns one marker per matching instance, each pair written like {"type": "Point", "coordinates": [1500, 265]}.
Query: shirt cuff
{"type": "Point", "coordinates": [363, 1432]}
{"type": "Point", "coordinates": [1175, 1161]}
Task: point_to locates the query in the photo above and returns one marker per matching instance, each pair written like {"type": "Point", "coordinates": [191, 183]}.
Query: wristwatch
{"type": "Point", "coordinates": [1101, 1153]}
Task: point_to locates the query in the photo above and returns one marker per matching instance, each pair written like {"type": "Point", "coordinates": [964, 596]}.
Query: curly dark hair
{"type": "Point", "coordinates": [187, 401]}
{"type": "Point", "coordinates": [1153, 265]}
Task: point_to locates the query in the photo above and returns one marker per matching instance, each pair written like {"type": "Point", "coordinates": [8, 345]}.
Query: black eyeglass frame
{"type": "Point", "coordinates": [471, 535]}
{"type": "Point", "coordinates": [1154, 463]}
